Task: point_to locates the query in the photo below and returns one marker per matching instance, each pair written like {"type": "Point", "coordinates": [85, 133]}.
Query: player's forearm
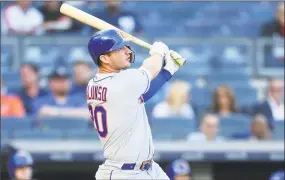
{"type": "Point", "coordinates": [153, 64]}
{"type": "Point", "coordinates": [157, 84]}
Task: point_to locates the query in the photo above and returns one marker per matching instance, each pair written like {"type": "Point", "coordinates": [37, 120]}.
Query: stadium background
{"type": "Point", "coordinates": [223, 44]}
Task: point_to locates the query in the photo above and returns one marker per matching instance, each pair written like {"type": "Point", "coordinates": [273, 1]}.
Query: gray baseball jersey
{"type": "Point", "coordinates": [118, 113]}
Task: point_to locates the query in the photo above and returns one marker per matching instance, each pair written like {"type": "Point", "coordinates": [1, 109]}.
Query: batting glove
{"type": "Point", "coordinates": [159, 48]}
{"type": "Point", "coordinates": [171, 59]}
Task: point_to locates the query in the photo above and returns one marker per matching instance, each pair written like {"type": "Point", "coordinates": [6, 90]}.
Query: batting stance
{"type": "Point", "coordinates": [115, 98]}
{"type": "Point", "coordinates": [20, 166]}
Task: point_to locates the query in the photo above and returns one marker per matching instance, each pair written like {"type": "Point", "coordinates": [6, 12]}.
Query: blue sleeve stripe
{"type": "Point", "coordinates": [156, 84]}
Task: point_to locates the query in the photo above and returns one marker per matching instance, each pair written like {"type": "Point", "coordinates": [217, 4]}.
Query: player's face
{"type": "Point", "coordinates": [24, 173]}
{"type": "Point", "coordinates": [182, 177]}
{"type": "Point", "coordinates": [119, 59]}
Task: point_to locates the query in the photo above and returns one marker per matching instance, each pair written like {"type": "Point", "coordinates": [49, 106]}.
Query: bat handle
{"type": "Point", "coordinates": [147, 45]}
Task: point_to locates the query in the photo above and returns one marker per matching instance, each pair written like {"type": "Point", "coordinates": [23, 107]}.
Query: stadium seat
{"type": "Point", "coordinates": [185, 76]}
{"type": "Point", "coordinates": [6, 62]}
{"type": "Point", "coordinates": [38, 134]}
{"type": "Point", "coordinates": [278, 132]}
{"type": "Point", "coordinates": [11, 123]}
{"type": "Point", "coordinates": [83, 135]}
{"type": "Point", "coordinates": [63, 123]}
{"type": "Point", "coordinates": [245, 95]}
{"type": "Point", "coordinates": [224, 76]}
{"type": "Point", "coordinates": [201, 96]}
{"type": "Point", "coordinates": [5, 135]}
{"type": "Point", "coordinates": [234, 123]}
{"type": "Point", "coordinates": [11, 79]}
{"type": "Point", "coordinates": [175, 128]}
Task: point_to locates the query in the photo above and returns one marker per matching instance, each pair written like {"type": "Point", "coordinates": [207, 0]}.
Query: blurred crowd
{"type": "Point", "coordinates": [22, 18]}
{"type": "Point", "coordinates": [65, 94]}
{"type": "Point", "coordinates": [65, 97]}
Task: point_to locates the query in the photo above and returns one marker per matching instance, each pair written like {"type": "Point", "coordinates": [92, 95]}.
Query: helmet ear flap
{"type": "Point", "coordinates": [132, 59]}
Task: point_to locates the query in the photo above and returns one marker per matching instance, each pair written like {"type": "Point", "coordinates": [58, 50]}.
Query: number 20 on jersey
{"type": "Point", "coordinates": [99, 117]}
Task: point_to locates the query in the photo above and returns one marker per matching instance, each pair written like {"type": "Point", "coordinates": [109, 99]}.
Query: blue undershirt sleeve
{"type": "Point", "coordinates": [162, 77]}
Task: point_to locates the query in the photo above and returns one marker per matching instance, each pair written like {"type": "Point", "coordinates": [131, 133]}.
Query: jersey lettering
{"type": "Point", "coordinates": [96, 92]}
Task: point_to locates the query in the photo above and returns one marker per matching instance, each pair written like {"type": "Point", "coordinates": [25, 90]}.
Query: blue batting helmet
{"type": "Point", "coordinates": [19, 159]}
{"type": "Point", "coordinates": [279, 175]}
{"type": "Point", "coordinates": [105, 41]}
{"type": "Point", "coordinates": [178, 167]}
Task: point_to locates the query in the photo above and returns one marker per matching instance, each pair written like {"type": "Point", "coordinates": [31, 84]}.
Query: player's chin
{"type": "Point", "coordinates": [127, 64]}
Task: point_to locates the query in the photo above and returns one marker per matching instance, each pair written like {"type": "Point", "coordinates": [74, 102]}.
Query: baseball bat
{"type": "Point", "coordinates": [97, 23]}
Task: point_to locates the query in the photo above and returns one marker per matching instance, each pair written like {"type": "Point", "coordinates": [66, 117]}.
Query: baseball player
{"type": "Point", "coordinates": [279, 175]}
{"type": "Point", "coordinates": [179, 170]}
{"type": "Point", "coordinates": [115, 98]}
{"type": "Point", "coordinates": [20, 165]}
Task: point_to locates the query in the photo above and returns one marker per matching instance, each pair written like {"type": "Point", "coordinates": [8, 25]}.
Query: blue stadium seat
{"type": "Point", "coordinates": [233, 84]}
{"type": "Point", "coordinates": [201, 96]}
{"type": "Point", "coordinates": [245, 95]}
{"type": "Point", "coordinates": [38, 134]}
{"type": "Point", "coordinates": [12, 79]}
{"type": "Point", "coordinates": [11, 123]}
{"type": "Point", "coordinates": [6, 61]}
{"type": "Point", "coordinates": [175, 128]}
{"type": "Point", "coordinates": [90, 134]}
{"type": "Point", "coordinates": [5, 135]}
{"type": "Point", "coordinates": [185, 76]}
{"type": "Point", "coordinates": [63, 123]}
{"type": "Point", "coordinates": [233, 124]}
{"type": "Point", "coordinates": [278, 133]}
{"type": "Point", "coordinates": [224, 76]}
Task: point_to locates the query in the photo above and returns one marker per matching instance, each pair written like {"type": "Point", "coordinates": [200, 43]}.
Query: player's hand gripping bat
{"type": "Point", "coordinates": [97, 23]}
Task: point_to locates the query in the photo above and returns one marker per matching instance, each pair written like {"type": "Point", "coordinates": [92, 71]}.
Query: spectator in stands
{"type": "Point", "coordinates": [273, 107]}
{"type": "Point", "coordinates": [259, 130]}
{"type": "Point", "coordinates": [177, 102]}
{"type": "Point", "coordinates": [11, 106]}
{"type": "Point", "coordinates": [31, 90]}
{"type": "Point", "coordinates": [54, 21]}
{"type": "Point", "coordinates": [224, 101]}
{"type": "Point", "coordinates": [22, 19]}
{"type": "Point", "coordinates": [82, 72]}
{"type": "Point", "coordinates": [209, 129]}
{"type": "Point", "coordinates": [276, 27]}
{"type": "Point", "coordinates": [125, 20]}
{"type": "Point", "coordinates": [59, 102]}
{"type": "Point", "coordinates": [274, 52]}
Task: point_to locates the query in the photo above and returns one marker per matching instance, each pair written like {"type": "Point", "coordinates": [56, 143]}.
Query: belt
{"type": "Point", "coordinates": [145, 165]}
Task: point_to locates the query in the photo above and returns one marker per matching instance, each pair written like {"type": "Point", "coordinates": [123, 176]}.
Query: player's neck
{"type": "Point", "coordinates": [107, 70]}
